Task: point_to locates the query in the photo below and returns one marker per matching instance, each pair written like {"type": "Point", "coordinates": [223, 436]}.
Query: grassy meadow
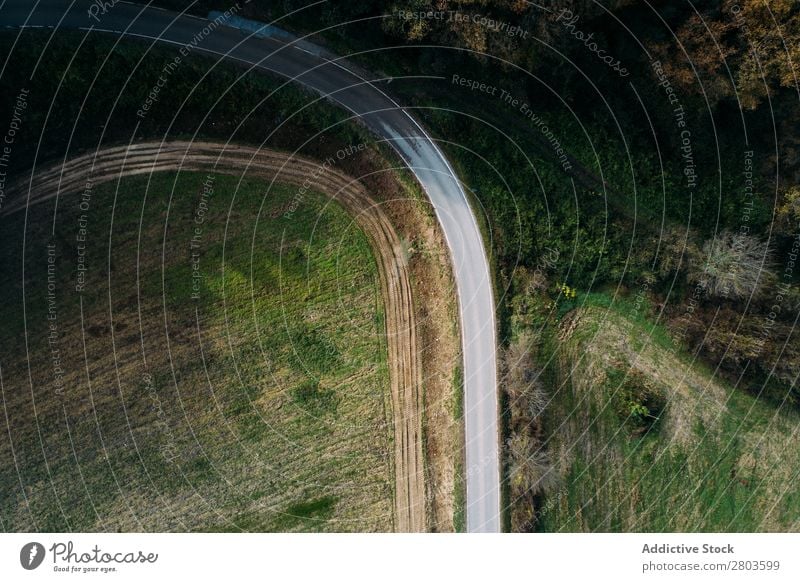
{"type": "Point", "coordinates": [643, 437]}
{"type": "Point", "coordinates": [219, 365]}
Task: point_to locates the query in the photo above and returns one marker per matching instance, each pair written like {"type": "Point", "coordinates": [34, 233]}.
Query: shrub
{"type": "Point", "coordinates": [676, 248]}
{"type": "Point", "coordinates": [752, 344]}
{"type": "Point", "coordinates": [526, 396]}
{"type": "Point", "coordinates": [638, 403]}
{"type": "Point", "coordinates": [530, 472]}
{"type": "Point", "coordinates": [313, 350]}
{"type": "Point", "coordinates": [789, 209]}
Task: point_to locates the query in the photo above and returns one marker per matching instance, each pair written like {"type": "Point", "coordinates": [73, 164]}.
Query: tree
{"type": "Point", "coordinates": [749, 45]}
{"type": "Point", "coordinates": [734, 265]}
{"type": "Point", "coordinates": [769, 40]}
{"type": "Point", "coordinates": [695, 59]}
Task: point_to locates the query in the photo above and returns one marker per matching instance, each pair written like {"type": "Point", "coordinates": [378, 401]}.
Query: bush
{"type": "Point", "coordinates": [676, 250]}
{"type": "Point", "coordinates": [526, 396]}
{"type": "Point", "coordinates": [637, 402]}
{"type": "Point", "coordinates": [530, 472]}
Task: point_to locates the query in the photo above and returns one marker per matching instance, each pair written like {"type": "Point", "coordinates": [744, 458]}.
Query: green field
{"type": "Point", "coordinates": [643, 438]}
{"type": "Point", "coordinates": [250, 396]}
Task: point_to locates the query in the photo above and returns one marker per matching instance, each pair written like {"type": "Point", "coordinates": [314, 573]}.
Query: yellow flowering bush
{"type": "Point", "coordinates": [567, 291]}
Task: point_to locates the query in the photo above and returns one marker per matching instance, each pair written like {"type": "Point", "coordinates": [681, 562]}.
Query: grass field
{"type": "Point", "coordinates": [703, 457]}
{"type": "Point", "coordinates": [222, 368]}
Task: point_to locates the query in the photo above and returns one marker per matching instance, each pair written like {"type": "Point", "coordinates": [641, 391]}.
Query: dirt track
{"type": "Point", "coordinates": [404, 356]}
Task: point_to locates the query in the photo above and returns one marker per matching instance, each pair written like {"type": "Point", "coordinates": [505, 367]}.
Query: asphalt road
{"type": "Point", "coordinates": [341, 83]}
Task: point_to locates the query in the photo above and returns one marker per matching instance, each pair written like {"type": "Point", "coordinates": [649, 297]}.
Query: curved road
{"type": "Point", "coordinates": [339, 82]}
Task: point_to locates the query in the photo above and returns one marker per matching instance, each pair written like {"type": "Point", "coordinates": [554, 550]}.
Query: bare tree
{"type": "Point", "coordinates": [526, 396]}
{"type": "Point", "coordinates": [530, 471]}
{"type": "Point", "coordinates": [734, 265]}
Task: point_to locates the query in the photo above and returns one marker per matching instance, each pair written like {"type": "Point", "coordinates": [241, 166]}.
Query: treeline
{"type": "Point", "coordinates": [84, 93]}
